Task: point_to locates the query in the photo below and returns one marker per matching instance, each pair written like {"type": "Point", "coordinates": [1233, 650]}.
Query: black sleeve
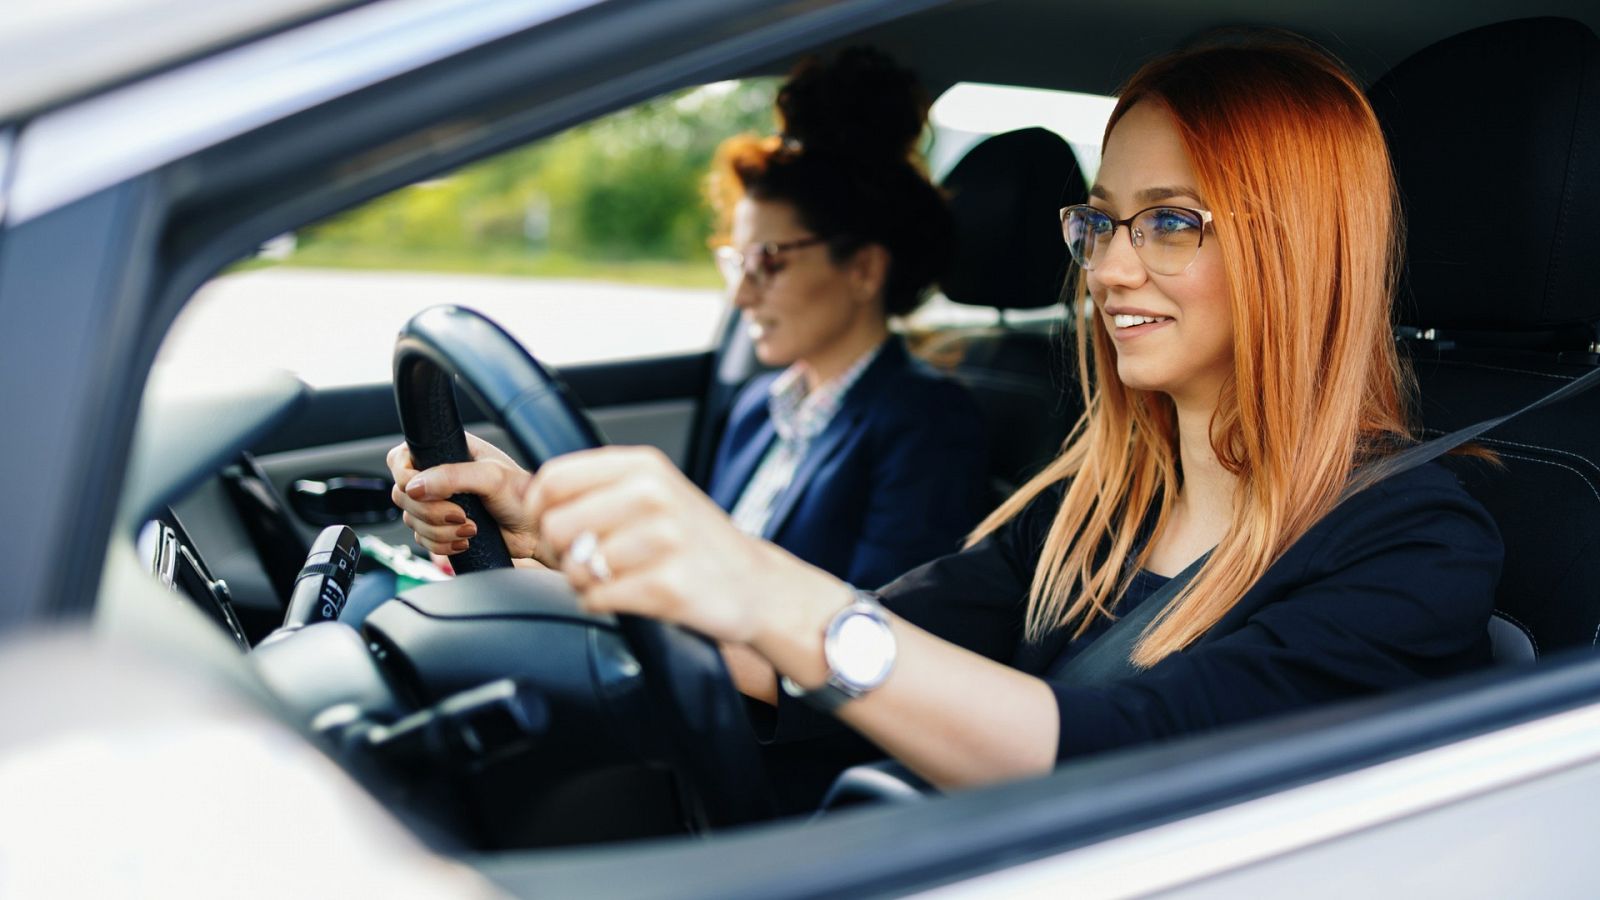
{"type": "Point", "coordinates": [1397, 590]}
{"type": "Point", "coordinates": [975, 598]}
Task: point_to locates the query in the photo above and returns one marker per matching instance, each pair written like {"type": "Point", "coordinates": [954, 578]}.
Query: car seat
{"type": "Point", "coordinates": [1005, 196]}
{"type": "Point", "coordinates": [1495, 135]}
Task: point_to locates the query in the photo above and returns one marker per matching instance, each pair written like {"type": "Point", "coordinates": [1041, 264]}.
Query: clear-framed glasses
{"type": "Point", "coordinates": [1167, 238]}
{"type": "Point", "coordinates": [760, 262]}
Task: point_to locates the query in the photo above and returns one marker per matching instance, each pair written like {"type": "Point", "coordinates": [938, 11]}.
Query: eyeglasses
{"type": "Point", "coordinates": [1167, 238]}
{"type": "Point", "coordinates": [758, 261]}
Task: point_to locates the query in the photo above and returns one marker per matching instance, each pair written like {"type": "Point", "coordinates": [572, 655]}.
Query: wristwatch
{"type": "Point", "coordinates": [859, 648]}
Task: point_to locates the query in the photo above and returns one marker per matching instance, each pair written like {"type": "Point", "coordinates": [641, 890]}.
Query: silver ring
{"type": "Point", "coordinates": [585, 552]}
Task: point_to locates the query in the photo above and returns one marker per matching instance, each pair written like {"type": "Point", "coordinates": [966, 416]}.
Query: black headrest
{"type": "Point", "coordinates": [1496, 140]}
{"type": "Point", "coordinates": [1006, 195]}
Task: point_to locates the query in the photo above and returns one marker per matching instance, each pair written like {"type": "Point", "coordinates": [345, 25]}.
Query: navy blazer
{"type": "Point", "coordinates": [896, 478]}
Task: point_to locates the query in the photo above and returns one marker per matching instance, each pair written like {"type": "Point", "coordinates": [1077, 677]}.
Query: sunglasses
{"type": "Point", "coordinates": [758, 262]}
{"type": "Point", "coordinates": [1166, 238]}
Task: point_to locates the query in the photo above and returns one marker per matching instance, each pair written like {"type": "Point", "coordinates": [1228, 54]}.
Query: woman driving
{"type": "Point", "coordinates": [1237, 260]}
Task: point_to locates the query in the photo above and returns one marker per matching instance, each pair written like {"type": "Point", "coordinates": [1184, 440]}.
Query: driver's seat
{"type": "Point", "coordinates": [1501, 297]}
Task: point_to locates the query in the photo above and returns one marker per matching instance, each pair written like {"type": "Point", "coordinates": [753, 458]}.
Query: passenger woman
{"type": "Point", "coordinates": [855, 457]}
{"type": "Point", "coordinates": [1237, 264]}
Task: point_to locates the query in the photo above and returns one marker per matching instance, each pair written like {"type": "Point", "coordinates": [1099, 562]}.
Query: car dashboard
{"type": "Point", "coordinates": [501, 695]}
{"type": "Point", "coordinates": [170, 554]}
{"type": "Point", "coordinates": [189, 431]}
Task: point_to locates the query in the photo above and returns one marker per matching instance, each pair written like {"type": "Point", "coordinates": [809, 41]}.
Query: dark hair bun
{"type": "Point", "coordinates": [860, 105]}
{"type": "Point", "coordinates": [847, 163]}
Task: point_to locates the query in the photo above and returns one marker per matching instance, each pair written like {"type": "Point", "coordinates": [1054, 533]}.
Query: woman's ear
{"type": "Point", "coordinates": [869, 272]}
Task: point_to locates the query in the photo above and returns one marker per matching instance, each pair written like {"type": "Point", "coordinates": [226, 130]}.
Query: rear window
{"type": "Point", "coordinates": [969, 112]}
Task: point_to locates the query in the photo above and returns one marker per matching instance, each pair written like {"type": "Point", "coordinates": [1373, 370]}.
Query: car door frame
{"type": "Point", "coordinates": [105, 250]}
{"type": "Point", "coordinates": [104, 272]}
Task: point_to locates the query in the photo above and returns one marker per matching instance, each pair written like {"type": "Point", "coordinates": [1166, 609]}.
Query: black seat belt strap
{"type": "Point", "coordinates": [1109, 658]}
{"type": "Point", "coordinates": [1411, 457]}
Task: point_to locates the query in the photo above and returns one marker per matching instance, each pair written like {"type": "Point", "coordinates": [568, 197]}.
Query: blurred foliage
{"type": "Point", "coordinates": [696, 273]}
{"type": "Point", "coordinates": [629, 187]}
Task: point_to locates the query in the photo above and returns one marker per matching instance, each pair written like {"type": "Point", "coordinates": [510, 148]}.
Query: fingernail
{"type": "Point", "coordinates": [458, 546]}
{"type": "Point", "coordinates": [456, 518]}
{"type": "Point", "coordinates": [417, 487]}
{"type": "Point", "coordinates": [467, 530]}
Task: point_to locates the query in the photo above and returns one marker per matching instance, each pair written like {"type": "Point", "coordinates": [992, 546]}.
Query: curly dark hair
{"type": "Point", "coordinates": [846, 160]}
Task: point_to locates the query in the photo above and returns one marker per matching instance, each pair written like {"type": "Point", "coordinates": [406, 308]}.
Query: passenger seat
{"type": "Point", "coordinates": [1005, 195]}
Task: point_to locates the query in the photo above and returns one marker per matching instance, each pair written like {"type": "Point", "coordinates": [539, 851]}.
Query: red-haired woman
{"type": "Point", "coordinates": [1238, 262]}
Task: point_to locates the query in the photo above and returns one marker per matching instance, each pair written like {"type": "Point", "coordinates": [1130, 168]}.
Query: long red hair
{"type": "Point", "coordinates": [1293, 165]}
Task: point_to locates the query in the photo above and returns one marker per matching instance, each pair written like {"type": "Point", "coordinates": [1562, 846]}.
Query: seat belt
{"type": "Point", "coordinates": [1411, 457]}
{"type": "Point", "coordinates": [1110, 657]}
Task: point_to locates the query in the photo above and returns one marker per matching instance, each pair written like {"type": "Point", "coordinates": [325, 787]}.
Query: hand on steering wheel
{"type": "Point", "coordinates": [707, 740]}
{"type": "Point", "coordinates": [672, 554]}
{"type": "Point", "coordinates": [443, 527]}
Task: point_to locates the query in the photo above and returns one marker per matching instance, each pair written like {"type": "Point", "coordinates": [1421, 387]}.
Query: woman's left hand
{"type": "Point", "coordinates": [668, 551]}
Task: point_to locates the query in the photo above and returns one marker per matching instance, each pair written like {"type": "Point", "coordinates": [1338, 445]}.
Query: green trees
{"type": "Point", "coordinates": [623, 189]}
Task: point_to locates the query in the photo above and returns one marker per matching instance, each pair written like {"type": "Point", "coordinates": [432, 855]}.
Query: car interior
{"type": "Point", "coordinates": [494, 716]}
{"type": "Point", "coordinates": [259, 517]}
{"type": "Point", "coordinates": [1486, 335]}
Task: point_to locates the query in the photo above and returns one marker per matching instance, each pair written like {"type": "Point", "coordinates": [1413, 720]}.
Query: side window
{"type": "Point", "coordinates": [969, 112]}
{"type": "Point", "coordinates": [588, 246]}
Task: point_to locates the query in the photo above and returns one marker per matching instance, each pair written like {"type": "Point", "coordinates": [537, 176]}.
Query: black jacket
{"type": "Point", "coordinates": [1392, 588]}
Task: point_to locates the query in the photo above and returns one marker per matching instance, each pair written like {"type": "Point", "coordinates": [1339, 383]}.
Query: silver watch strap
{"type": "Point", "coordinates": [827, 698]}
{"type": "Point", "coordinates": [836, 692]}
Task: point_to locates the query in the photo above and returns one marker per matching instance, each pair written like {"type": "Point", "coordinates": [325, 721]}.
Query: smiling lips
{"type": "Point", "coordinates": [1125, 323]}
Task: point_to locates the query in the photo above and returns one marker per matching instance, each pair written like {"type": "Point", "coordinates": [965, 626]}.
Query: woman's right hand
{"type": "Point", "coordinates": [441, 526]}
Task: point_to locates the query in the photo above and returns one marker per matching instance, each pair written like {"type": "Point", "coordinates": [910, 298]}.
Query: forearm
{"type": "Point", "coordinates": [953, 716]}
{"type": "Point", "coordinates": [957, 718]}
{"type": "Point", "coordinates": [751, 673]}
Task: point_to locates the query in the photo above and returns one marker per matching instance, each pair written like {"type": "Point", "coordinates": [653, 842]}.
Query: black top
{"type": "Point", "coordinates": [1143, 584]}
{"type": "Point", "coordinates": [1392, 588]}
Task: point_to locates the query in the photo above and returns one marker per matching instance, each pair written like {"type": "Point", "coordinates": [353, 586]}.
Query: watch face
{"type": "Point", "coordinates": [861, 650]}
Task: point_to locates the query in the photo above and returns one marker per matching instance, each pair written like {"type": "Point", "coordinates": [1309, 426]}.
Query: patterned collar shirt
{"type": "Point", "coordinates": [798, 416]}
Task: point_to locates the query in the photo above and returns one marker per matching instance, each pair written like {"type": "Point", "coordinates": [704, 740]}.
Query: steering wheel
{"type": "Point", "coordinates": [708, 738]}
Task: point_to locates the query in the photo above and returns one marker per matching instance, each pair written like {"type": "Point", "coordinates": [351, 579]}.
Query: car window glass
{"type": "Point", "coordinates": [588, 246]}
{"type": "Point", "coordinates": [969, 112]}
